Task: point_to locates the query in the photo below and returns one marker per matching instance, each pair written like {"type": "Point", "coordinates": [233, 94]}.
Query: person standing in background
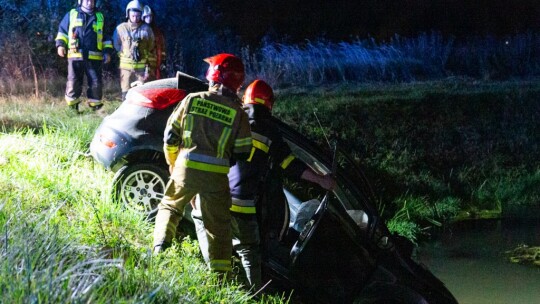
{"type": "Point", "coordinates": [81, 37]}
{"type": "Point", "coordinates": [158, 63]}
{"type": "Point", "coordinates": [134, 41]}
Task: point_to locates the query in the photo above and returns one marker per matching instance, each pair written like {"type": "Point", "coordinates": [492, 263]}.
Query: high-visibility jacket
{"type": "Point", "coordinates": [82, 34]}
{"type": "Point", "coordinates": [129, 38]}
{"type": "Point", "coordinates": [206, 131]}
{"type": "Point", "coordinates": [268, 146]}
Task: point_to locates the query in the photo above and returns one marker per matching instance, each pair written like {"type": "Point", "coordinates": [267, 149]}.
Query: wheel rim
{"type": "Point", "coordinates": [142, 191]}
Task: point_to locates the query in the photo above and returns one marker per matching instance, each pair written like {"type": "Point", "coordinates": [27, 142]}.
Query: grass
{"type": "Point", "coordinates": [439, 150]}
{"type": "Point", "coordinates": [63, 240]}
{"type": "Point", "coordinates": [434, 151]}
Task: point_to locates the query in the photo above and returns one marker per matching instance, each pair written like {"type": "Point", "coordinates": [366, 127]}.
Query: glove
{"type": "Point", "coordinates": [106, 58]}
{"type": "Point", "coordinates": [61, 51]}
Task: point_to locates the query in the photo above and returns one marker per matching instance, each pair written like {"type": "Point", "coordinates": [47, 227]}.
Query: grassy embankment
{"type": "Point", "coordinates": [62, 240]}
{"type": "Point", "coordinates": [434, 151]}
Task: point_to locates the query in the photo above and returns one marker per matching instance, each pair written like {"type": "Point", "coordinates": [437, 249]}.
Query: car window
{"type": "Point", "coordinates": [346, 193]}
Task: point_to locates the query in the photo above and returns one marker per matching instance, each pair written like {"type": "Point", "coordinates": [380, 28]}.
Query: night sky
{"type": "Point", "coordinates": [345, 19]}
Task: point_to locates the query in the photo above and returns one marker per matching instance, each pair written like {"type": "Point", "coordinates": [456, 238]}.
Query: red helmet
{"type": "Point", "coordinates": [226, 69]}
{"type": "Point", "coordinates": [259, 92]}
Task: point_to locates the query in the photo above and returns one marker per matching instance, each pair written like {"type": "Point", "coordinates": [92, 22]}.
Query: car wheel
{"type": "Point", "coordinates": [140, 187]}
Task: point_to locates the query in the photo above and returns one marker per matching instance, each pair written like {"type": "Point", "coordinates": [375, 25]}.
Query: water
{"type": "Point", "coordinates": [470, 259]}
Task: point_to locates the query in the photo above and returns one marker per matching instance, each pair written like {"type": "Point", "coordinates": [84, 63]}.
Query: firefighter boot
{"type": "Point", "coordinates": [158, 249]}
{"type": "Point", "coordinates": [75, 108]}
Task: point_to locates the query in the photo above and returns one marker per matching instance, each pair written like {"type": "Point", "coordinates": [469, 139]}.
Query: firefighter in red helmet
{"type": "Point", "coordinates": [245, 176]}
{"type": "Point", "coordinates": [203, 134]}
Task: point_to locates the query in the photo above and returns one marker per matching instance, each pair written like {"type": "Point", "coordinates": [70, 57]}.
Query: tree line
{"type": "Point", "coordinates": [291, 42]}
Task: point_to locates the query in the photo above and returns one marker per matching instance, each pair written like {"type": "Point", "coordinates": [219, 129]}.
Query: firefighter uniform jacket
{"type": "Point", "coordinates": [203, 134]}
{"type": "Point", "coordinates": [268, 146]}
{"type": "Point", "coordinates": [82, 34]}
{"type": "Point", "coordinates": [135, 44]}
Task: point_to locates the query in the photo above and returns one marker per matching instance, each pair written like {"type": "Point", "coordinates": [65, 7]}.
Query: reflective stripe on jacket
{"type": "Point", "coordinates": [129, 38]}
{"type": "Point", "coordinates": [205, 131]}
{"type": "Point", "coordinates": [82, 34]}
{"type": "Point", "coordinates": [268, 145]}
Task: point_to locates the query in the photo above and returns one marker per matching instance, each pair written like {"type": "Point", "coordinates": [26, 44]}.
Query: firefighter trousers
{"type": "Point", "coordinates": [245, 241]}
{"type": "Point", "coordinates": [214, 208]}
{"type": "Point", "coordinates": [77, 69]}
{"type": "Point", "coordinates": [129, 77]}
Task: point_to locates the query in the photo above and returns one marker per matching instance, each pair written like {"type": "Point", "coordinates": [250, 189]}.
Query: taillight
{"type": "Point", "coordinates": [107, 141]}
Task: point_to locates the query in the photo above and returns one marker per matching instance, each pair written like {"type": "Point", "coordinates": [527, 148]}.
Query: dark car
{"type": "Point", "coordinates": [330, 247]}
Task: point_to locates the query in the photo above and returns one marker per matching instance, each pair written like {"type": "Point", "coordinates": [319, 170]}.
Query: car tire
{"type": "Point", "coordinates": [140, 187]}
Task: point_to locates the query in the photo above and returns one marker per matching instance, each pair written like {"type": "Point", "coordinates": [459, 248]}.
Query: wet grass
{"type": "Point", "coordinates": [433, 151]}
{"type": "Point", "coordinates": [63, 240]}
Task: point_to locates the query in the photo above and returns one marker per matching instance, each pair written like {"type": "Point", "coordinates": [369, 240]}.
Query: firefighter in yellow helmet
{"type": "Point", "coordinates": [81, 37]}
{"type": "Point", "coordinates": [203, 134]}
{"type": "Point", "coordinates": [135, 43]}
{"type": "Point", "coordinates": [158, 63]}
{"type": "Point", "coordinates": [245, 178]}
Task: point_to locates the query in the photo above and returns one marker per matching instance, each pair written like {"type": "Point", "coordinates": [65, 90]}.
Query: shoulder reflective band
{"type": "Point", "coordinates": [287, 161]}
{"type": "Point", "coordinates": [259, 145]}
{"type": "Point", "coordinates": [261, 138]}
{"type": "Point", "coordinates": [213, 110]}
{"type": "Point", "coordinates": [259, 142]}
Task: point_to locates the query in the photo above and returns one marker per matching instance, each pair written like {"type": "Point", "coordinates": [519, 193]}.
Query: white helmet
{"type": "Point", "coordinates": [147, 11]}
{"type": "Point", "coordinates": [133, 5]}
{"type": "Point", "coordinates": [79, 2]}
